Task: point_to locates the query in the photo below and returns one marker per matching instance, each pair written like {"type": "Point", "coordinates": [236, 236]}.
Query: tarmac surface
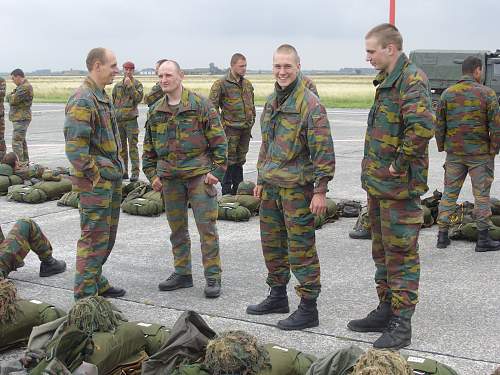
{"type": "Point", "coordinates": [456, 322]}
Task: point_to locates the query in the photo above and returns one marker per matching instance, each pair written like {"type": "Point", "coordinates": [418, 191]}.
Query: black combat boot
{"type": "Point", "coordinates": [360, 234]}
{"type": "Point", "coordinates": [176, 281]}
{"type": "Point", "coordinates": [275, 302]}
{"type": "Point", "coordinates": [227, 181]}
{"type": "Point", "coordinates": [113, 292]}
{"type": "Point", "coordinates": [212, 288]}
{"type": "Point", "coordinates": [443, 240]}
{"type": "Point", "coordinates": [397, 335]}
{"type": "Point", "coordinates": [375, 321]}
{"type": "Point", "coordinates": [51, 266]}
{"type": "Point", "coordinates": [237, 177]}
{"type": "Point", "coordinates": [306, 316]}
{"type": "Point", "coordinates": [485, 243]}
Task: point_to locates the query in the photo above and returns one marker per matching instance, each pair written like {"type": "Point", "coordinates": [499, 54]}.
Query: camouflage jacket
{"type": "Point", "coordinates": [20, 100]}
{"type": "Point", "coordinates": [297, 146]}
{"type": "Point", "coordinates": [184, 144]}
{"type": "Point", "coordinates": [92, 138]}
{"type": "Point", "coordinates": [310, 84]}
{"type": "Point", "coordinates": [468, 119]}
{"type": "Point", "coordinates": [154, 95]}
{"type": "Point", "coordinates": [400, 125]}
{"type": "Point", "coordinates": [3, 88]}
{"type": "Point", "coordinates": [235, 100]}
{"type": "Point", "coordinates": [126, 99]}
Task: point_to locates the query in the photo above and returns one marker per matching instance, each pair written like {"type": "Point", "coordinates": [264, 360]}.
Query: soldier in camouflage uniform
{"type": "Point", "coordinates": [24, 236]}
{"type": "Point", "coordinates": [233, 94]}
{"type": "Point", "coordinates": [394, 175]}
{"type": "Point", "coordinates": [296, 161]}
{"type": "Point", "coordinates": [2, 118]}
{"type": "Point", "coordinates": [127, 94]}
{"type": "Point", "coordinates": [156, 92]}
{"type": "Point", "coordinates": [184, 157]}
{"type": "Point", "coordinates": [93, 149]}
{"type": "Point", "coordinates": [468, 129]}
{"type": "Point", "coordinates": [20, 100]}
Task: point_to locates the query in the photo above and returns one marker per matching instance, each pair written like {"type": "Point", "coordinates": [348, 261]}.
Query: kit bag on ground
{"type": "Point", "coordinates": [233, 212]}
{"type": "Point", "coordinates": [143, 201]}
{"type": "Point", "coordinates": [70, 199]}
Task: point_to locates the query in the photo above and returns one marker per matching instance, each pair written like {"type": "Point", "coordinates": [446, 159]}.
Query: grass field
{"type": "Point", "coordinates": [335, 91]}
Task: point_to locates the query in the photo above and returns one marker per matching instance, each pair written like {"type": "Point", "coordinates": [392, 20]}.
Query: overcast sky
{"type": "Point", "coordinates": [329, 34]}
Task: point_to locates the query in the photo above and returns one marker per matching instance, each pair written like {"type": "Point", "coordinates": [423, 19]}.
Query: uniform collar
{"type": "Point", "coordinates": [467, 78]}
{"type": "Point", "coordinates": [185, 103]}
{"type": "Point", "coordinates": [387, 80]}
{"type": "Point", "coordinates": [99, 94]}
{"type": "Point", "coordinates": [231, 78]}
{"type": "Point", "coordinates": [293, 102]}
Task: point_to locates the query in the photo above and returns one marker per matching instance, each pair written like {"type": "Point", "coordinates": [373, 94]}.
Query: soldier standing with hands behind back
{"type": "Point", "coordinates": [468, 129]}
{"type": "Point", "coordinates": [127, 94]}
{"type": "Point", "coordinates": [394, 174]}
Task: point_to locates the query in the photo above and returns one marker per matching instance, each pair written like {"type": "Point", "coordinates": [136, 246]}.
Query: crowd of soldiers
{"type": "Point", "coordinates": [192, 143]}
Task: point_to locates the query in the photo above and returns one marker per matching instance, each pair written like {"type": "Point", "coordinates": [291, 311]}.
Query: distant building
{"type": "Point", "coordinates": [147, 72]}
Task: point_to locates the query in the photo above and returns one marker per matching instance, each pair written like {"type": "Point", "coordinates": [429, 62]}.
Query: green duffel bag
{"type": "Point", "coordinates": [6, 181]}
{"type": "Point", "coordinates": [128, 188]}
{"type": "Point", "coordinates": [287, 361]}
{"type": "Point", "coordinates": [6, 170]}
{"type": "Point", "coordinates": [495, 219]}
{"type": "Point", "coordinates": [329, 217]}
{"type": "Point", "coordinates": [54, 189]}
{"type": "Point", "coordinates": [468, 231]}
{"type": "Point", "coordinates": [227, 199]}
{"type": "Point", "coordinates": [245, 188]}
{"type": "Point", "coordinates": [248, 201]}
{"type": "Point", "coordinates": [70, 199]}
{"type": "Point", "coordinates": [156, 336]}
{"type": "Point", "coordinates": [331, 208]}
{"type": "Point", "coordinates": [143, 207]}
{"type": "Point", "coordinates": [30, 314]}
{"type": "Point", "coordinates": [112, 349]}
{"type": "Point", "coordinates": [428, 366]}
{"type": "Point", "coordinates": [495, 206]}
{"type": "Point", "coordinates": [26, 194]}
{"type": "Point", "coordinates": [132, 365]}
{"type": "Point", "coordinates": [154, 196]}
{"type": "Point", "coordinates": [233, 212]}
{"type": "Point", "coordinates": [428, 218]}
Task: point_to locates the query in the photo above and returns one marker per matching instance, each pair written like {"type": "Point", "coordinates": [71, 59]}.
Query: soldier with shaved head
{"type": "Point", "coordinates": [185, 155]}
{"type": "Point", "coordinates": [296, 161]}
{"type": "Point", "coordinates": [93, 149]}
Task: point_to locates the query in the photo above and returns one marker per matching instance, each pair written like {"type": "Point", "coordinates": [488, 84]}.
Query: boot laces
{"type": "Point", "coordinates": [393, 324]}
{"type": "Point", "coordinates": [211, 282]}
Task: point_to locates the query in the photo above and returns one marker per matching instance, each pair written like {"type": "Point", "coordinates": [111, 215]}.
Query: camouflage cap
{"type": "Point", "coordinates": [381, 362]}
{"type": "Point", "coordinates": [245, 188]}
{"type": "Point", "coordinates": [236, 352]}
{"type": "Point", "coordinates": [8, 301]}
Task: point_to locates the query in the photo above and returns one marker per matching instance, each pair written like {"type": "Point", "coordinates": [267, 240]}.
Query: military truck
{"type": "Point", "coordinates": [444, 67]}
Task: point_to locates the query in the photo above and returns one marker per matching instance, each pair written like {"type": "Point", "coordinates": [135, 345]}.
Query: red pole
{"type": "Point", "coordinates": [392, 12]}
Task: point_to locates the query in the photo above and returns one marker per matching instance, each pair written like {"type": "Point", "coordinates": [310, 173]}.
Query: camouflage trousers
{"type": "Point", "coordinates": [480, 168]}
{"type": "Point", "coordinates": [288, 238]}
{"type": "Point", "coordinates": [99, 216]}
{"type": "Point", "coordinates": [395, 225]}
{"type": "Point", "coordinates": [177, 193]}
{"type": "Point", "coordinates": [3, 149]}
{"type": "Point", "coordinates": [129, 136]}
{"type": "Point", "coordinates": [19, 145]}
{"type": "Point", "coordinates": [238, 141]}
{"type": "Point", "coordinates": [24, 236]}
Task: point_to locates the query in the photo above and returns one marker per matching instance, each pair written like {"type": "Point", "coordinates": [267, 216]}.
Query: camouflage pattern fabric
{"type": "Point", "coordinates": [468, 119]}
{"type": "Point", "coordinates": [154, 95]}
{"type": "Point", "coordinates": [20, 100]}
{"type": "Point", "coordinates": [93, 147]}
{"type": "Point", "coordinates": [400, 125]}
{"type": "Point", "coordinates": [129, 136]}
{"type": "Point", "coordinates": [186, 144]}
{"type": "Point", "coordinates": [202, 197]}
{"type": "Point", "coordinates": [235, 100]}
{"type": "Point", "coordinates": [288, 238]}
{"type": "Point", "coordinates": [3, 88]}
{"type": "Point", "coordinates": [126, 99]}
{"type": "Point", "coordinates": [19, 144]}
{"type": "Point", "coordinates": [297, 147]}
{"type": "Point", "coordinates": [238, 141]}
{"type": "Point", "coordinates": [395, 225]}
{"type": "Point", "coordinates": [480, 168]}
{"type": "Point", "coordinates": [24, 236]}
{"type": "Point", "coordinates": [309, 84]}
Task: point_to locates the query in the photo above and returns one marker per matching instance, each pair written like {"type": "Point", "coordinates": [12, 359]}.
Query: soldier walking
{"type": "Point", "coordinates": [20, 100]}
{"type": "Point", "coordinates": [296, 161]}
{"type": "Point", "coordinates": [233, 94]}
{"type": "Point", "coordinates": [468, 129]}
{"type": "Point", "coordinates": [156, 93]}
{"type": "Point", "coordinates": [185, 155]}
{"type": "Point", "coordinates": [93, 149]}
{"type": "Point", "coordinates": [127, 94]}
{"type": "Point", "coordinates": [3, 88]}
{"type": "Point", "coordinates": [394, 175]}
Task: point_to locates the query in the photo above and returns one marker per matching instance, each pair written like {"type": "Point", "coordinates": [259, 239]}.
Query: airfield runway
{"type": "Point", "coordinates": [456, 322]}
